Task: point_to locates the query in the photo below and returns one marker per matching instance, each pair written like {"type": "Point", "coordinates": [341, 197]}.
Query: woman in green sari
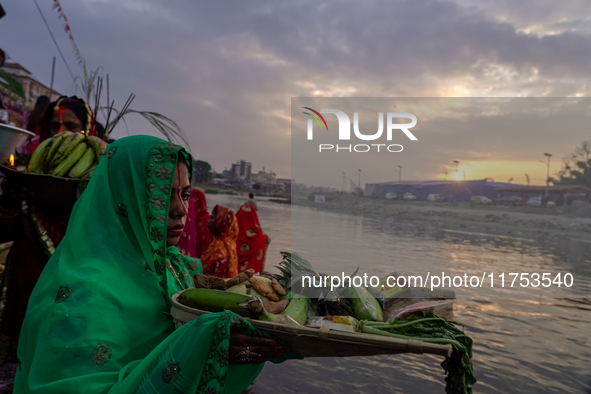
{"type": "Point", "coordinates": [98, 320]}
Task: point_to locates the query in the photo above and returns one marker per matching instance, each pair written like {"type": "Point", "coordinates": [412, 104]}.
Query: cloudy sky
{"type": "Point", "coordinates": [226, 71]}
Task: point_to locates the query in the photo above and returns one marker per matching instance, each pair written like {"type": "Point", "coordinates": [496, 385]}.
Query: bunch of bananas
{"type": "Point", "coordinates": [67, 154]}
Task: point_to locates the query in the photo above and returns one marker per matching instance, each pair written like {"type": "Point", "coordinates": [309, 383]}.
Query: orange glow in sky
{"type": "Point", "coordinates": [502, 171]}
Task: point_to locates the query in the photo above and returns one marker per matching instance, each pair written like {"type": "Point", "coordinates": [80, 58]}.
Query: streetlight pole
{"type": "Point", "coordinates": [399, 173]}
{"type": "Point", "coordinates": [51, 84]}
{"type": "Point", "coordinates": [547, 171]}
{"type": "Point", "coordinates": [344, 179]}
{"type": "Point", "coordinates": [359, 181]}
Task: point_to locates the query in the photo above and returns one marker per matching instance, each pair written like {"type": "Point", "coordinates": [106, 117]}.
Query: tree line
{"type": "Point", "coordinates": [576, 167]}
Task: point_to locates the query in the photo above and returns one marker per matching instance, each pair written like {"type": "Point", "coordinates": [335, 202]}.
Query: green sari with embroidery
{"type": "Point", "coordinates": [98, 320]}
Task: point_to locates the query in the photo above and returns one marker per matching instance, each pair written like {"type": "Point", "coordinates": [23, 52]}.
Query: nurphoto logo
{"type": "Point", "coordinates": [345, 130]}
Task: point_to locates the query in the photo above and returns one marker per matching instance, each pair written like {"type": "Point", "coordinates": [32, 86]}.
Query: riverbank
{"type": "Point", "coordinates": [280, 200]}
{"type": "Point", "coordinates": [208, 189]}
{"type": "Point", "coordinates": [572, 221]}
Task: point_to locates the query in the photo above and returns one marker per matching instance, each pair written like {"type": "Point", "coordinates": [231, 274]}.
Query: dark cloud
{"type": "Point", "coordinates": [226, 70]}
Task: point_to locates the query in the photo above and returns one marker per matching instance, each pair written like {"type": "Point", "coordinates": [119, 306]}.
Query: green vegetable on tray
{"type": "Point", "coordinates": [214, 301]}
{"type": "Point", "coordinates": [292, 268]}
{"type": "Point", "coordinates": [428, 327]}
{"type": "Point", "coordinates": [365, 305]}
{"type": "Point", "coordinates": [298, 309]}
{"type": "Point", "coordinates": [355, 302]}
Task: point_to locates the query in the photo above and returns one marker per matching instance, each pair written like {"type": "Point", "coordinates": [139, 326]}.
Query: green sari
{"type": "Point", "coordinates": [98, 320]}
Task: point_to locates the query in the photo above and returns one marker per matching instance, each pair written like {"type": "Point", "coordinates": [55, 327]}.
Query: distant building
{"type": "Point", "coordinates": [240, 170]}
{"type": "Point", "coordinates": [245, 169]}
{"type": "Point", "coordinates": [234, 172]}
{"type": "Point", "coordinates": [448, 190]}
{"type": "Point", "coordinates": [265, 178]}
{"type": "Point", "coordinates": [554, 192]}
{"type": "Point", "coordinates": [284, 185]}
{"type": "Point", "coordinates": [269, 188]}
{"type": "Point", "coordinates": [33, 88]}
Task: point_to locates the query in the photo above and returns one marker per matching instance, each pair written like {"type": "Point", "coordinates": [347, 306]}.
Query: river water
{"type": "Point", "coordinates": [525, 341]}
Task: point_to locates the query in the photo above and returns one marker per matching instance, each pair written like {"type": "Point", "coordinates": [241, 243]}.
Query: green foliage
{"type": "Point", "coordinates": [321, 303]}
{"type": "Point", "coordinates": [168, 127]}
{"type": "Point", "coordinates": [11, 83]}
{"type": "Point", "coordinates": [87, 83]}
{"type": "Point", "coordinates": [576, 169]}
{"type": "Point", "coordinates": [201, 171]}
{"type": "Point", "coordinates": [428, 327]}
{"type": "Point", "coordinates": [165, 125]}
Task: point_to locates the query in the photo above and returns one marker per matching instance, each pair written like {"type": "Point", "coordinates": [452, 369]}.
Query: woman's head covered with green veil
{"type": "Point", "coordinates": [99, 316]}
{"type": "Point", "coordinates": [136, 204]}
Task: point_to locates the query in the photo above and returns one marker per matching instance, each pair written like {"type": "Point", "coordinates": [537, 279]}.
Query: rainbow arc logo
{"type": "Point", "coordinates": [315, 118]}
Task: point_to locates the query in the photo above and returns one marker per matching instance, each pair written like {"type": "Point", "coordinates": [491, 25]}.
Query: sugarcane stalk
{"type": "Point", "coordinates": [374, 331]}
{"type": "Point", "coordinates": [381, 325]}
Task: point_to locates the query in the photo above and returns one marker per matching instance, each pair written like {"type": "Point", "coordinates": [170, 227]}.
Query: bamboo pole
{"type": "Point", "coordinates": [51, 85]}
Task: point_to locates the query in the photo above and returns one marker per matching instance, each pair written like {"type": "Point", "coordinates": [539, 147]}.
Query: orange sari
{"type": "Point", "coordinates": [220, 258]}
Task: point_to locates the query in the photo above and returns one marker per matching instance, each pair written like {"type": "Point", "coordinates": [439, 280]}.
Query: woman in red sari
{"type": "Point", "coordinates": [35, 234]}
{"type": "Point", "coordinates": [252, 241]}
{"type": "Point", "coordinates": [220, 258]}
{"type": "Point", "coordinates": [196, 237]}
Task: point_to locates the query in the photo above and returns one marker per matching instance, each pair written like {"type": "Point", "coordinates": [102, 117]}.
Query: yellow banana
{"type": "Point", "coordinates": [57, 141]}
{"type": "Point", "coordinates": [39, 155]}
{"type": "Point", "coordinates": [84, 164]}
{"type": "Point", "coordinates": [70, 160]}
{"type": "Point", "coordinates": [98, 145]}
{"type": "Point", "coordinates": [66, 148]}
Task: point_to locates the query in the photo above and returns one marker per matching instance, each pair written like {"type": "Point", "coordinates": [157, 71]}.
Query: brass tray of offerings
{"type": "Point", "coordinates": [323, 342]}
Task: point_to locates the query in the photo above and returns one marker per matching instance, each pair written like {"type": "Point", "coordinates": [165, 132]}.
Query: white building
{"type": "Point", "coordinates": [33, 88]}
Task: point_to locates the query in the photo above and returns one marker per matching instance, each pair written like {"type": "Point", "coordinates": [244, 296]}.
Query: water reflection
{"type": "Point", "coordinates": [337, 243]}
{"type": "Point", "coordinates": [522, 343]}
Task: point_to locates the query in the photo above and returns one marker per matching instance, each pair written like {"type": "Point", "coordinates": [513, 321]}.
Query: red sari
{"type": "Point", "coordinates": [35, 239]}
{"type": "Point", "coordinates": [220, 258]}
{"type": "Point", "coordinates": [196, 236]}
{"type": "Point", "coordinates": [252, 241]}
